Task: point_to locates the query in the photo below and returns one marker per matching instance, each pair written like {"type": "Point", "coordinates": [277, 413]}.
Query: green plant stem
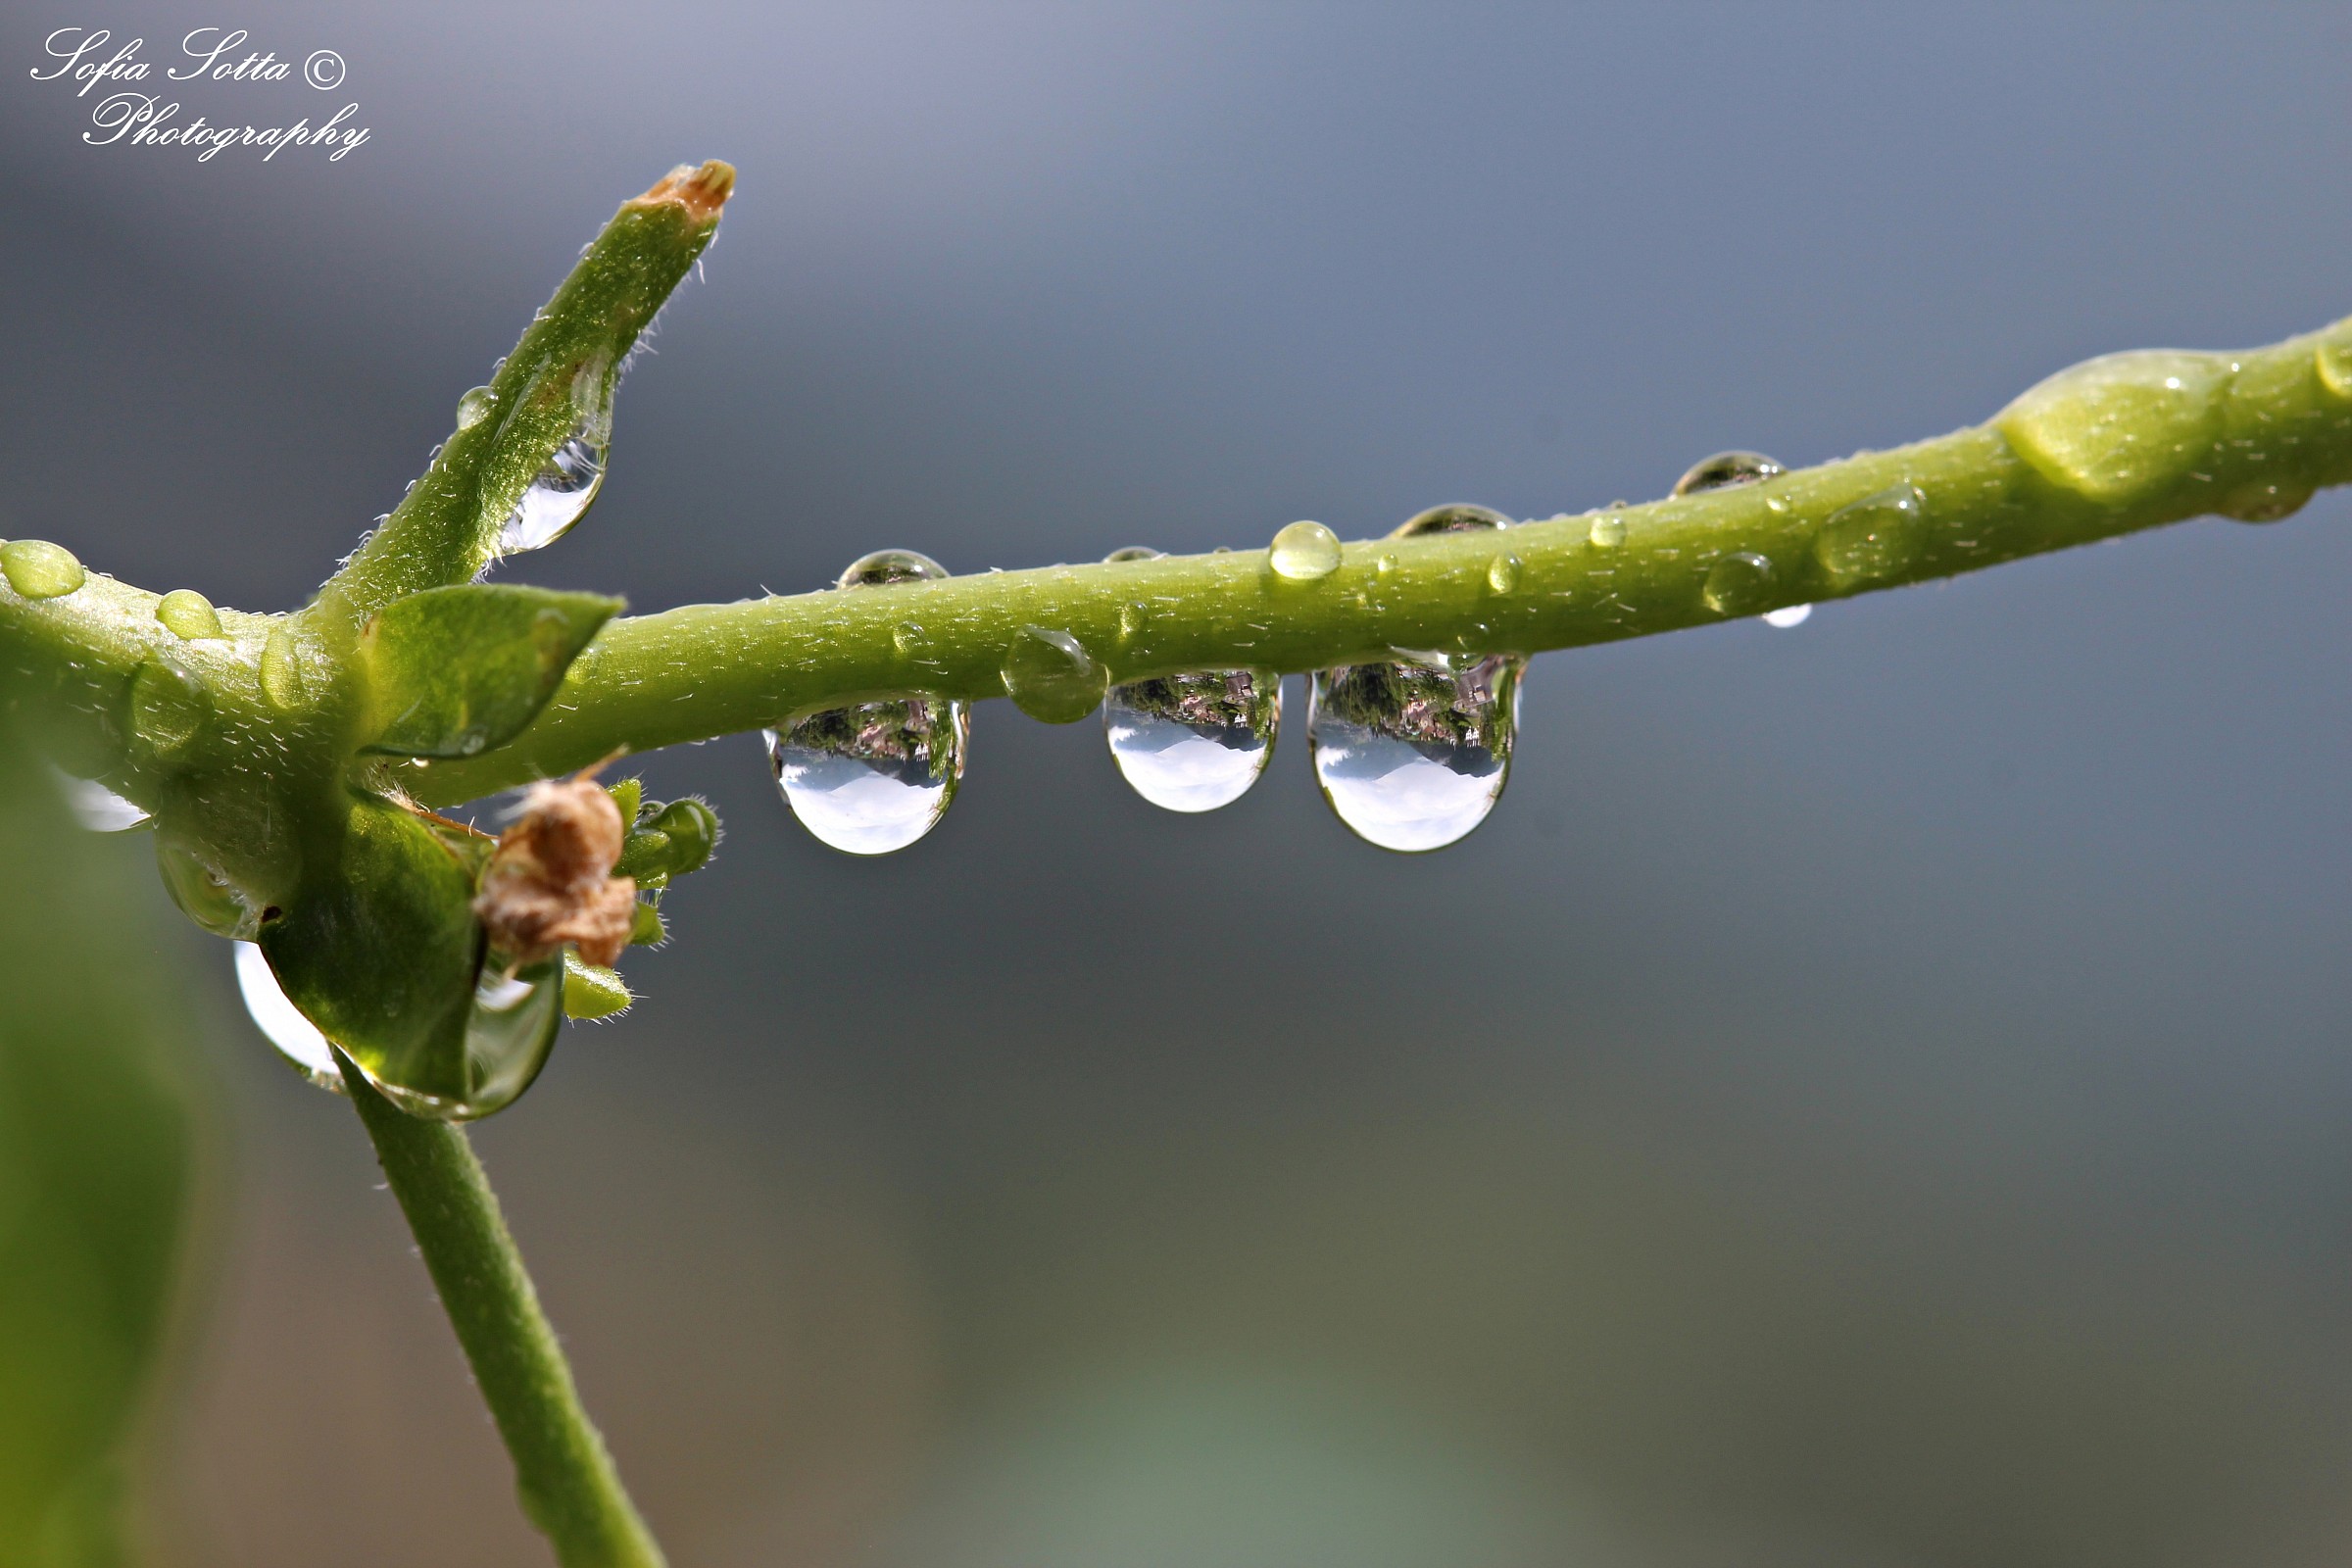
{"type": "Point", "coordinates": [562, 1472]}
{"type": "Point", "coordinates": [2252, 433]}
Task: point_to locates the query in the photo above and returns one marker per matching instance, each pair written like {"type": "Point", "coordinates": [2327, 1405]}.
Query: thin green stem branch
{"type": "Point", "coordinates": [2104, 449]}
{"type": "Point", "coordinates": [562, 1472]}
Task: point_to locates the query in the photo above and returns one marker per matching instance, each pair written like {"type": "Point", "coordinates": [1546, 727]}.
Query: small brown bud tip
{"type": "Point", "coordinates": [701, 192]}
{"type": "Point", "coordinates": [550, 880]}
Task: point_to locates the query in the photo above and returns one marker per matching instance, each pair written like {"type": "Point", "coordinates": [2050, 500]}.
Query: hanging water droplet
{"type": "Point", "coordinates": [167, 706]}
{"type": "Point", "coordinates": [1193, 743]}
{"type": "Point", "coordinates": [558, 498]}
{"type": "Point", "coordinates": [1789, 616]}
{"type": "Point", "coordinates": [283, 1024]}
{"type": "Point", "coordinates": [188, 614]}
{"type": "Point", "coordinates": [1304, 552]}
{"type": "Point", "coordinates": [1050, 676]}
{"type": "Point", "coordinates": [1726, 468]}
{"type": "Point", "coordinates": [2264, 502]}
{"type": "Point", "coordinates": [39, 569]}
{"type": "Point", "coordinates": [281, 673]}
{"type": "Point", "coordinates": [1739, 584]}
{"type": "Point", "coordinates": [203, 893]}
{"type": "Point", "coordinates": [1413, 756]}
{"type": "Point", "coordinates": [508, 1033]}
{"type": "Point", "coordinates": [1872, 538]}
{"type": "Point", "coordinates": [476, 406]}
{"type": "Point", "coordinates": [875, 777]}
{"type": "Point", "coordinates": [2121, 427]}
{"type": "Point", "coordinates": [1606, 532]}
{"type": "Point", "coordinates": [97, 808]}
{"type": "Point", "coordinates": [1502, 575]}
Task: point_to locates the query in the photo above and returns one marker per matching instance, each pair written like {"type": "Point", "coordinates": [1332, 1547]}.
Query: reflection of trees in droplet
{"type": "Point", "coordinates": [1217, 699]}
{"type": "Point", "coordinates": [903, 732]}
{"type": "Point", "coordinates": [1452, 707]}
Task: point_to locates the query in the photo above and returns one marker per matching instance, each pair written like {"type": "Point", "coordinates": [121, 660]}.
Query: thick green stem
{"type": "Point", "coordinates": [564, 1476]}
{"type": "Point", "coordinates": [2119, 444]}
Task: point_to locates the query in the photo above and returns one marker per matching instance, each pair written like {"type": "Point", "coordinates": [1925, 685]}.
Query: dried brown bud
{"type": "Point", "coordinates": [550, 880]}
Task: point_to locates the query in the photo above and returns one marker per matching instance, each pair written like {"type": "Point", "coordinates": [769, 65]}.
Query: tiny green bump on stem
{"type": "Point", "coordinates": [39, 569]}
{"type": "Point", "coordinates": [188, 614]}
{"type": "Point", "coordinates": [562, 1473]}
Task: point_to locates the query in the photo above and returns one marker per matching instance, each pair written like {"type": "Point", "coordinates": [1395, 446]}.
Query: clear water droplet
{"type": "Point", "coordinates": [97, 808]}
{"type": "Point", "coordinates": [1502, 575]}
{"type": "Point", "coordinates": [2121, 427]}
{"type": "Point", "coordinates": [1383, 564]}
{"type": "Point", "coordinates": [1133, 618]}
{"type": "Point", "coordinates": [1607, 532]}
{"type": "Point", "coordinates": [476, 406]}
{"type": "Point", "coordinates": [875, 777]}
{"type": "Point", "coordinates": [1050, 676]}
{"type": "Point", "coordinates": [508, 1033]}
{"type": "Point", "coordinates": [1727, 469]}
{"type": "Point", "coordinates": [558, 498]}
{"type": "Point", "coordinates": [283, 1024]}
{"type": "Point", "coordinates": [39, 569]}
{"type": "Point", "coordinates": [1304, 551]}
{"type": "Point", "coordinates": [2264, 502]}
{"type": "Point", "coordinates": [1455, 517]}
{"type": "Point", "coordinates": [283, 685]}
{"type": "Point", "coordinates": [1413, 756]}
{"type": "Point", "coordinates": [188, 614]}
{"type": "Point", "coordinates": [2333, 358]}
{"type": "Point", "coordinates": [1739, 584]}
{"type": "Point", "coordinates": [168, 707]}
{"type": "Point", "coordinates": [1134, 553]}
{"type": "Point", "coordinates": [1789, 616]}
{"type": "Point", "coordinates": [203, 893]}
{"type": "Point", "coordinates": [1193, 742]}
{"type": "Point", "coordinates": [1872, 538]}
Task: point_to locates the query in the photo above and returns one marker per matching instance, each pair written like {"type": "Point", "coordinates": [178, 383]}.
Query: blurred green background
{"type": "Point", "coordinates": [1874, 1094]}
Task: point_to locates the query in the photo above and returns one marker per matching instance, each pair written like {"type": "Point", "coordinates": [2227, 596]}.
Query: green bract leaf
{"type": "Point", "coordinates": [454, 671]}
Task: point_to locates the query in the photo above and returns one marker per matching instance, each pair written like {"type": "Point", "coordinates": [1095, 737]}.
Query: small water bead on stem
{"type": "Point", "coordinates": [283, 1024]}
{"type": "Point", "coordinates": [875, 777]}
{"type": "Point", "coordinates": [39, 569]}
{"type": "Point", "coordinates": [1875, 537]}
{"type": "Point", "coordinates": [1304, 552]}
{"type": "Point", "coordinates": [1050, 676]}
{"type": "Point", "coordinates": [168, 707]}
{"type": "Point", "coordinates": [1412, 755]}
{"type": "Point", "coordinates": [188, 614]}
{"type": "Point", "coordinates": [283, 684]}
{"type": "Point", "coordinates": [1737, 584]}
{"type": "Point", "coordinates": [477, 405]}
{"type": "Point", "coordinates": [1727, 469]}
{"type": "Point", "coordinates": [203, 893]}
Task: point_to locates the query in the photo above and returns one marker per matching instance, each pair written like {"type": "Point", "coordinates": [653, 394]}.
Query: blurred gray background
{"type": "Point", "coordinates": [1873, 1094]}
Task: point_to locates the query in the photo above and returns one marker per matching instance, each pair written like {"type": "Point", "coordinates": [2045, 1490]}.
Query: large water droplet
{"type": "Point", "coordinates": [203, 895]}
{"type": "Point", "coordinates": [1739, 584]}
{"type": "Point", "coordinates": [97, 808]}
{"type": "Point", "coordinates": [282, 682]}
{"type": "Point", "coordinates": [167, 706]}
{"type": "Point", "coordinates": [39, 569]}
{"type": "Point", "coordinates": [558, 498]}
{"type": "Point", "coordinates": [1726, 468]}
{"type": "Point", "coordinates": [283, 1024]}
{"type": "Point", "coordinates": [476, 406]}
{"type": "Point", "coordinates": [188, 614]}
{"type": "Point", "coordinates": [1872, 538]}
{"type": "Point", "coordinates": [875, 777]}
{"type": "Point", "coordinates": [508, 1033]}
{"type": "Point", "coordinates": [1193, 743]}
{"type": "Point", "coordinates": [1413, 756]}
{"type": "Point", "coordinates": [1050, 676]}
{"type": "Point", "coordinates": [1789, 616]}
{"type": "Point", "coordinates": [1304, 552]}
{"type": "Point", "coordinates": [2121, 427]}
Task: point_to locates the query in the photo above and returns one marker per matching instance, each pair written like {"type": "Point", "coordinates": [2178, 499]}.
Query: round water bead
{"type": "Point", "coordinates": [188, 614]}
{"type": "Point", "coordinates": [1413, 754]}
{"type": "Point", "coordinates": [1727, 469]}
{"type": "Point", "coordinates": [1304, 552]}
{"type": "Point", "coordinates": [39, 569]}
{"type": "Point", "coordinates": [1050, 676]}
{"type": "Point", "coordinates": [1193, 743]}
